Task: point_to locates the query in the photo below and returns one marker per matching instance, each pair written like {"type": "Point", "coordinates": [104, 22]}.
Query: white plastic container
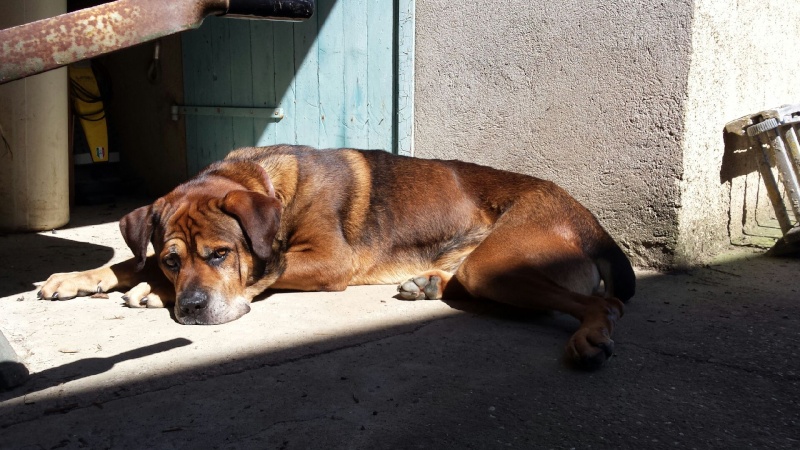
{"type": "Point", "coordinates": [34, 140]}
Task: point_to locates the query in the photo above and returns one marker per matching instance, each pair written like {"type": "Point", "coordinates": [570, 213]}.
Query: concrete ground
{"type": "Point", "coordinates": [707, 358]}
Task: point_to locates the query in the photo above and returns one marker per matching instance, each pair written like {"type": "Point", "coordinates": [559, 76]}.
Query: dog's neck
{"type": "Point", "coordinates": [283, 172]}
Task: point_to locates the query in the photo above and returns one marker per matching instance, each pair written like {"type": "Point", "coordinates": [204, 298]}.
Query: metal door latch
{"type": "Point", "coordinates": [227, 111]}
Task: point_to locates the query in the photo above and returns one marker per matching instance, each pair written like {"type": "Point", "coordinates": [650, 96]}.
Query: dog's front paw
{"type": "Point", "coordinates": [143, 295]}
{"type": "Point", "coordinates": [64, 286]}
{"type": "Point", "coordinates": [428, 286]}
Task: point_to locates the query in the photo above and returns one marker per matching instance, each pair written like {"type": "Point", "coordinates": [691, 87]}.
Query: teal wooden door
{"type": "Point", "coordinates": [335, 78]}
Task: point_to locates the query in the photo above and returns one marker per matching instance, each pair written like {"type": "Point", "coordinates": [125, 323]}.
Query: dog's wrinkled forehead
{"type": "Point", "coordinates": [216, 209]}
{"type": "Point", "coordinates": [195, 218]}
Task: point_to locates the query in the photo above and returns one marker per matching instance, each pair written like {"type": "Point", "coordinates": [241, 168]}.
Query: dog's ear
{"type": "Point", "coordinates": [259, 217]}
{"type": "Point", "coordinates": [137, 229]}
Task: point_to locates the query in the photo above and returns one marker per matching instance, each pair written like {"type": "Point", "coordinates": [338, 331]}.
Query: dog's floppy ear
{"type": "Point", "coordinates": [259, 216]}
{"type": "Point", "coordinates": [137, 229]}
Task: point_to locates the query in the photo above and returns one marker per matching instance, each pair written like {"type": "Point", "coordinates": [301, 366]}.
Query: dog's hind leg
{"type": "Point", "coordinates": [534, 269]}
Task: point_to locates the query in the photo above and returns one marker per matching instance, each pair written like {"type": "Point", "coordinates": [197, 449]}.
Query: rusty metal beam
{"type": "Point", "coordinates": [51, 43]}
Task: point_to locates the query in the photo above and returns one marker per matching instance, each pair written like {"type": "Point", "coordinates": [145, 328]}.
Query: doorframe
{"type": "Point", "coordinates": [404, 78]}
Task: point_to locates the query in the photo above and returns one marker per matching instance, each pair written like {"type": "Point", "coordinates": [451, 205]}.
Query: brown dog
{"type": "Point", "coordinates": [289, 217]}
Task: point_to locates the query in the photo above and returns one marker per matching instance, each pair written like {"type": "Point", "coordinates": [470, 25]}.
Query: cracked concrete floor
{"type": "Point", "coordinates": [705, 359]}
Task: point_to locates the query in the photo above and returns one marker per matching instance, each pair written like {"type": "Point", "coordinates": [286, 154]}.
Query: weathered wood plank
{"type": "Point", "coordinates": [331, 73]}
{"type": "Point", "coordinates": [220, 92]}
{"type": "Point", "coordinates": [356, 57]}
{"type": "Point", "coordinates": [285, 82]}
{"type": "Point", "coordinates": [242, 76]}
{"type": "Point", "coordinates": [262, 42]}
{"type": "Point", "coordinates": [190, 46]}
{"type": "Point", "coordinates": [380, 88]}
{"type": "Point", "coordinates": [306, 58]}
{"type": "Point", "coordinates": [198, 70]}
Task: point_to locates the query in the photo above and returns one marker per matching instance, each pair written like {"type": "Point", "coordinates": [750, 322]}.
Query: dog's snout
{"type": "Point", "coordinates": [193, 302]}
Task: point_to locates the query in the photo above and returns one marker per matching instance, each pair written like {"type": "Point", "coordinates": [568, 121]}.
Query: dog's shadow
{"type": "Point", "coordinates": [499, 311]}
{"type": "Point", "coordinates": [481, 308]}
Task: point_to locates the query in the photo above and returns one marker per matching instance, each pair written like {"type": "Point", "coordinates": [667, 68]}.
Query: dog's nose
{"type": "Point", "coordinates": [193, 302]}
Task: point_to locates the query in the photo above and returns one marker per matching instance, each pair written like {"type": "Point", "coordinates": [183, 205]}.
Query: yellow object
{"type": "Point", "coordinates": [88, 106]}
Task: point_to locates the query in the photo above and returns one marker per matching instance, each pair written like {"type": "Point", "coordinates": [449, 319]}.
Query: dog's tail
{"type": "Point", "coordinates": [615, 270]}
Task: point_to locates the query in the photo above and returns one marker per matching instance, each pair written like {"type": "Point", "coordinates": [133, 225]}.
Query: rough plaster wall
{"type": "Point", "coordinates": [746, 58]}
{"type": "Point", "coordinates": [586, 93]}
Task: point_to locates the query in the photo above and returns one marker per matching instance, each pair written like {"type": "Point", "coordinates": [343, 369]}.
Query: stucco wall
{"type": "Point", "coordinates": [584, 93]}
{"type": "Point", "coordinates": [612, 100]}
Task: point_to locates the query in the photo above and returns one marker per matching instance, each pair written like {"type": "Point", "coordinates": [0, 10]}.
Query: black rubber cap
{"type": "Point", "coordinates": [12, 372]}
{"type": "Point", "coordinates": [272, 9]}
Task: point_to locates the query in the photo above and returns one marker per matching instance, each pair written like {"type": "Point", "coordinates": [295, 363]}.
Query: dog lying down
{"type": "Point", "coordinates": [291, 217]}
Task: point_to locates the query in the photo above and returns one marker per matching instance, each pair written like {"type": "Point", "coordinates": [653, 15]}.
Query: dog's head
{"type": "Point", "coordinates": [212, 237]}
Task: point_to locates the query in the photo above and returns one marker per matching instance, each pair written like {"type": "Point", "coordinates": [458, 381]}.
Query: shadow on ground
{"type": "Point", "coordinates": [36, 256]}
{"type": "Point", "coordinates": [706, 358]}
{"type": "Point", "coordinates": [28, 258]}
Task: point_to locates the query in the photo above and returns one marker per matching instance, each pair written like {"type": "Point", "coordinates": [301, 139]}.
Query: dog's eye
{"type": "Point", "coordinates": [172, 262]}
{"type": "Point", "coordinates": [218, 255]}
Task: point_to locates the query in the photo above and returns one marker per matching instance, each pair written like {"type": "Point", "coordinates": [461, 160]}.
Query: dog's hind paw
{"type": "Point", "coordinates": [422, 287]}
{"type": "Point", "coordinates": [589, 349]}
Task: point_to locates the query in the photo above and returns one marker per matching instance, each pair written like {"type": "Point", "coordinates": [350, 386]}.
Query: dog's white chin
{"type": "Point", "coordinates": [217, 313]}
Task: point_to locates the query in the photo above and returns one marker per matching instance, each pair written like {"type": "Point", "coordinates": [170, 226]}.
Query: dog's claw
{"type": "Point", "coordinates": [39, 295]}
{"type": "Point", "coordinates": [607, 347]}
{"type": "Point", "coordinates": [54, 296]}
{"type": "Point", "coordinates": [144, 301]}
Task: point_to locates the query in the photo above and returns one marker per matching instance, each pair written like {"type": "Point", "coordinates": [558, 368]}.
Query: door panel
{"type": "Point", "coordinates": [333, 76]}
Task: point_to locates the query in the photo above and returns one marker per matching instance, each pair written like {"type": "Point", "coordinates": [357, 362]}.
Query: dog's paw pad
{"type": "Point", "coordinates": [410, 291]}
{"type": "Point", "coordinates": [421, 288]}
